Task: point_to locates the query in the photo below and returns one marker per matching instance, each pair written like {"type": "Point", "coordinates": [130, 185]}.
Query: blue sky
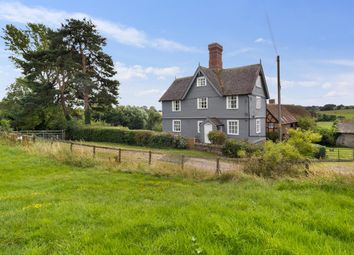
{"type": "Point", "coordinates": [152, 42]}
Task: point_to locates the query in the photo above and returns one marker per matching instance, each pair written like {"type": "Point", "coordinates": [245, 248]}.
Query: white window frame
{"type": "Point", "coordinates": [199, 103]}
{"type": "Point", "coordinates": [259, 82]}
{"type": "Point", "coordinates": [228, 102]}
{"type": "Point", "coordinates": [174, 127]}
{"type": "Point", "coordinates": [258, 126]}
{"type": "Point", "coordinates": [198, 125]}
{"type": "Point", "coordinates": [200, 83]}
{"type": "Point", "coordinates": [174, 104]}
{"type": "Point", "coordinates": [228, 127]}
{"type": "Point", "coordinates": [258, 102]}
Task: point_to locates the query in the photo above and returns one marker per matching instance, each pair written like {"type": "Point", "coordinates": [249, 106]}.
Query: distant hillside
{"type": "Point", "coordinates": [346, 113]}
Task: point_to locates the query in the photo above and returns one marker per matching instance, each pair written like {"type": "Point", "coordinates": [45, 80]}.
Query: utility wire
{"type": "Point", "coordinates": [271, 34]}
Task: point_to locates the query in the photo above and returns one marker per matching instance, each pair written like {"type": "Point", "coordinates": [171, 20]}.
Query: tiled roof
{"type": "Point", "coordinates": [297, 111]}
{"type": "Point", "coordinates": [286, 117]}
{"type": "Point", "coordinates": [346, 127]}
{"type": "Point", "coordinates": [232, 81]}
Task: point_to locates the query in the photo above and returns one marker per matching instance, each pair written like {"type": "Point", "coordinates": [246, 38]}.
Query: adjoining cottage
{"type": "Point", "coordinates": [232, 100]}
{"type": "Point", "coordinates": [346, 134]}
{"type": "Point", "coordinates": [290, 116]}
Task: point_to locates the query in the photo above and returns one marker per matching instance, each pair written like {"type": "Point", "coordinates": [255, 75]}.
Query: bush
{"type": "Point", "coordinates": [238, 149]}
{"type": "Point", "coordinates": [320, 152]}
{"type": "Point", "coordinates": [329, 136]}
{"type": "Point", "coordinates": [5, 125]}
{"type": "Point", "coordinates": [126, 136]}
{"type": "Point", "coordinates": [273, 136]}
{"type": "Point", "coordinates": [278, 159]}
{"type": "Point", "coordinates": [303, 141]}
{"type": "Point", "coordinates": [217, 137]}
{"type": "Point", "coordinates": [306, 123]}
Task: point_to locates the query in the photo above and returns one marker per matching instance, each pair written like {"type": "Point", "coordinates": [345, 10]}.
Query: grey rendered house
{"type": "Point", "coordinates": [232, 100]}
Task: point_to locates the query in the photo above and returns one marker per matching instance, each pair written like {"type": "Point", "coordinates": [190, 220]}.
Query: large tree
{"type": "Point", "coordinates": [95, 84]}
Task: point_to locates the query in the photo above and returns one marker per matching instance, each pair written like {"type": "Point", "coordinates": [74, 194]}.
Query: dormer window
{"type": "Point", "coordinates": [201, 81]}
{"type": "Point", "coordinates": [176, 106]}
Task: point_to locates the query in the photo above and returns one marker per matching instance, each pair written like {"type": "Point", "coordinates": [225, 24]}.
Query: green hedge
{"type": "Point", "coordinates": [126, 136]}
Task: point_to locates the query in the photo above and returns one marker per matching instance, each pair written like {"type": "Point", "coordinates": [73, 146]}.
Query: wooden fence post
{"type": "Point", "coordinates": [182, 162]}
{"type": "Point", "coordinates": [94, 151]}
{"type": "Point", "coordinates": [218, 166]}
{"type": "Point", "coordinates": [71, 146]}
{"type": "Point", "coordinates": [149, 157]}
{"type": "Point", "coordinates": [338, 155]}
{"type": "Point", "coordinates": [119, 157]}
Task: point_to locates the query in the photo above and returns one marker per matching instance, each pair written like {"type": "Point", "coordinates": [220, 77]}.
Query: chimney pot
{"type": "Point", "coordinates": [215, 56]}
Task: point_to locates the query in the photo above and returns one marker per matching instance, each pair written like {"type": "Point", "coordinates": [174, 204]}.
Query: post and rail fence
{"type": "Point", "coordinates": [217, 164]}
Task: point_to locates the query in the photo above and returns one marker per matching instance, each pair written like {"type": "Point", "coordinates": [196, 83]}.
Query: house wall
{"type": "Point", "coordinates": [190, 114]}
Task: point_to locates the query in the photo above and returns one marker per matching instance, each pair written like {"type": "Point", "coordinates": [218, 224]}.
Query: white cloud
{"type": "Point", "coordinates": [127, 73]}
{"type": "Point", "coordinates": [261, 40]}
{"type": "Point", "coordinates": [20, 13]}
{"type": "Point", "coordinates": [299, 83]}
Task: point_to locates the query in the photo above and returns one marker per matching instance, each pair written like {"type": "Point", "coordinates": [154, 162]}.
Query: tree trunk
{"type": "Point", "coordinates": [87, 107]}
{"type": "Point", "coordinates": [86, 91]}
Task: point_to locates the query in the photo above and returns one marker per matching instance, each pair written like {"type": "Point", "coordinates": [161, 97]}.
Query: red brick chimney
{"type": "Point", "coordinates": [215, 56]}
{"type": "Point", "coordinates": [271, 101]}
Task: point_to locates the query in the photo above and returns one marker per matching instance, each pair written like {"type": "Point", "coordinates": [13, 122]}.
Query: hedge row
{"type": "Point", "coordinates": [126, 136]}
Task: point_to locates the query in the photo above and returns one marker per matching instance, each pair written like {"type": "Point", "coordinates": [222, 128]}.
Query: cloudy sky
{"type": "Point", "coordinates": [152, 42]}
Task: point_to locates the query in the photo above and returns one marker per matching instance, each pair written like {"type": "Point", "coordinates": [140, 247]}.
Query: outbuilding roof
{"type": "Point", "coordinates": [286, 118]}
{"type": "Point", "coordinates": [231, 81]}
{"type": "Point", "coordinates": [346, 127]}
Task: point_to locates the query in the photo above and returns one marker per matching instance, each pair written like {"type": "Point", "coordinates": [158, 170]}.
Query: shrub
{"type": "Point", "coordinates": [329, 136]}
{"type": "Point", "coordinates": [278, 159]}
{"type": "Point", "coordinates": [5, 125]}
{"type": "Point", "coordinates": [273, 136]}
{"type": "Point", "coordinates": [237, 149]}
{"type": "Point", "coordinates": [320, 152]}
{"type": "Point", "coordinates": [306, 123]}
{"type": "Point", "coordinates": [217, 137]}
{"type": "Point", "coordinates": [303, 141]}
{"type": "Point", "coordinates": [125, 136]}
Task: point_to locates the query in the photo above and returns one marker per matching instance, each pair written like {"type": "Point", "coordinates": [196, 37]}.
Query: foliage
{"type": "Point", "coordinates": [320, 152]}
{"type": "Point", "coordinates": [126, 136]}
{"type": "Point", "coordinates": [277, 159]}
{"type": "Point", "coordinates": [273, 136]}
{"type": "Point", "coordinates": [5, 125]}
{"type": "Point", "coordinates": [66, 66]}
{"type": "Point", "coordinates": [306, 123]}
{"type": "Point", "coordinates": [134, 117]}
{"type": "Point", "coordinates": [325, 117]}
{"type": "Point", "coordinates": [328, 136]}
{"type": "Point", "coordinates": [303, 141]}
{"type": "Point", "coordinates": [217, 137]}
{"type": "Point", "coordinates": [237, 148]}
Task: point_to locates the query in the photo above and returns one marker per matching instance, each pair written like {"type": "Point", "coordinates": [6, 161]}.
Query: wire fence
{"type": "Point", "coordinates": [43, 134]}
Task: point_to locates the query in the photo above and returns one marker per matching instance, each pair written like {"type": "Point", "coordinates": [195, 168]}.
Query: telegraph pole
{"type": "Point", "coordinates": [279, 102]}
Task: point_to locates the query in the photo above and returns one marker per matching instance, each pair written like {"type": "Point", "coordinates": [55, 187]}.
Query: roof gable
{"type": "Point", "coordinates": [231, 81]}
{"type": "Point", "coordinates": [286, 117]}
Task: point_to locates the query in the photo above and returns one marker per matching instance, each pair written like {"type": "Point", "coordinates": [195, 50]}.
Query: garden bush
{"type": "Point", "coordinates": [277, 159]}
{"type": "Point", "coordinates": [217, 137]}
{"type": "Point", "coordinates": [238, 149]}
{"type": "Point", "coordinates": [329, 136]}
{"type": "Point", "coordinates": [320, 152]}
{"type": "Point", "coordinates": [126, 136]}
{"type": "Point", "coordinates": [303, 141]}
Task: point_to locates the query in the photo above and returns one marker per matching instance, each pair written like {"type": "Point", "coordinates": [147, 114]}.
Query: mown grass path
{"type": "Point", "coordinates": [47, 207]}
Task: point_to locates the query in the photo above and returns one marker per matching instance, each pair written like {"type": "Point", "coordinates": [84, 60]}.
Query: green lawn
{"type": "Point", "coordinates": [325, 124]}
{"type": "Point", "coordinates": [47, 207]}
{"type": "Point", "coordinates": [340, 153]}
{"type": "Point", "coordinates": [347, 113]}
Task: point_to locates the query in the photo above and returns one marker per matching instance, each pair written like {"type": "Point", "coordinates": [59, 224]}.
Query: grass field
{"type": "Point", "coordinates": [47, 207]}
{"type": "Point", "coordinates": [340, 153]}
{"type": "Point", "coordinates": [347, 113]}
{"type": "Point", "coordinates": [325, 124]}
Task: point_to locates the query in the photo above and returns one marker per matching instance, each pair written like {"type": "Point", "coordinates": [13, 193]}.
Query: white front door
{"type": "Point", "coordinates": [207, 128]}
